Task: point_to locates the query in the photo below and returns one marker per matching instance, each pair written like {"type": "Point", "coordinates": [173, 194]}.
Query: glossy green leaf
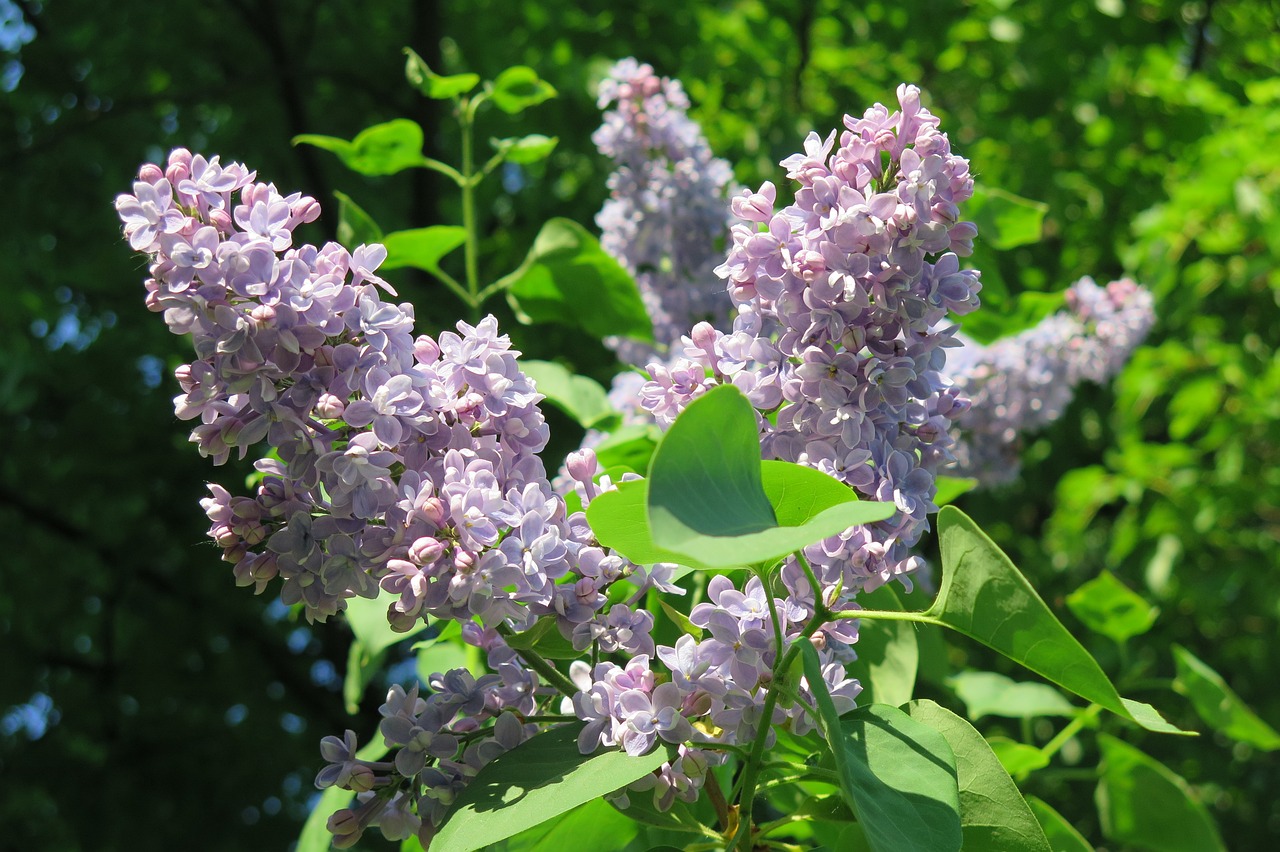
{"type": "Point", "coordinates": [382, 149]}
{"type": "Point", "coordinates": [355, 227]}
{"type": "Point", "coordinates": [986, 598]}
{"type": "Point", "coordinates": [422, 248]}
{"type": "Point", "coordinates": [1218, 705]}
{"type": "Point", "coordinates": [630, 446]}
{"type": "Point", "coordinates": [362, 667]}
{"type": "Point", "coordinates": [1141, 801]}
{"type": "Point", "coordinates": [888, 653]}
{"type": "Point", "coordinates": [524, 150]}
{"type": "Point", "coordinates": [992, 694]}
{"type": "Point", "coordinates": [566, 278]}
{"type": "Point", "coordinates": [1062, 835]}
{"type": "Point", "coordinates": [993, 815]}
{"type": "Point", "coordinates": [899, 776]}
{"type": "Point", "coordinates": [315, 836]}
{"type": "Point", "coordinates": [545, 638]}
{"type": "Point", "coordinates": [581, 397]}
{"type": "Point", "coordinates": [433, 85]}
{"type": "Point", "coordinates": [680, 620]}
{"type": "Point", "coordinates": [534, 782]}
{"type": "Point", "coordinates": [1107, 606]}
{"type": "Point", "coordinates": [1005, 221]}
{"type": "Point", "coordinates": [518, 88]}
{"type": "Point", "coordinates": [706, 499]}
{"type": "Point", "coordinates": [597, 825]}
{"type": "Point", "coordinates": [952, 488]}
{"type": "Point", "coordinates": [368, 621]}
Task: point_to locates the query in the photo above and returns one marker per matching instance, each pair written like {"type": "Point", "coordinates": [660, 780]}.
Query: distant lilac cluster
{"type": "Point", "coordinates": [668, 212]}
{"type": "Point", "coordinates": [843, 298]}
{"type": "Point", "coordinates": [1024, 382]}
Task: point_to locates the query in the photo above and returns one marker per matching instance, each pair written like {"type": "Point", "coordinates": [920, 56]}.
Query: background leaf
{"type": "Point", "coordinates": [1141, 801]}
{"type": "Point", "coordinates": [991, 694]}
{"type": "Point", "coordinates": [1107, 606]}
{"type": "Point", "coordinates": [382, 149]}
{"type": "Point", "coordinates": [355, 226]}
{"type": "Point", "coordinates": [422, 248]}
{"type": "Point", "coordinates": [1218, 705]}
{"type": "Point", "coordinates": [1005, 221]}
{"type": "Point", "coordinates": [1062, 835]}
{"type": "Point", "coordinates": [518, 88]}
{"type": "Point", "coordinates": [582, 398]}
{"type": "Point", "coordinates": [888, 653]}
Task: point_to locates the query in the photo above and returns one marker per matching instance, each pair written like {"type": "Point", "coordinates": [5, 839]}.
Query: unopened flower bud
{"type": "Point", "coordinates": [329, 407]}
{"type": "Point", "coordinates": [150, 173]}
{"type": "Point", "coordinates": [425, 550]}
{"type": "Point", "coordinates": [582, 465]}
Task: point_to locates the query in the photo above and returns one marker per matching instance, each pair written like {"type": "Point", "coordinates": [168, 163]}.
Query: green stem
{"type": "Point", "coordinates": [549, 672]}
{"type": "Point", "coordinates": [445, 169]}
{"type": "Point", "coordinates": [471, 246]}
{"type": "Point", "coordinates": [1070, 730]}
{"type": "Point", "coordinates": [888, 615]}
{"type": "Point", "coordinates": [452, 283]}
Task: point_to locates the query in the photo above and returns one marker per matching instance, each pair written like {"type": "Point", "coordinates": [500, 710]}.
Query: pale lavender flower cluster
{"type": "Point", "coordinates": [1024, 382]}
{"type": "Point", "coordinates": [843, 298]}
{"type": "Point", "coordinates": [406, 464]}
{"type": "Point", "coordinates": [668, 210]}
{"type": "Point", "coordinates": [441, 742]}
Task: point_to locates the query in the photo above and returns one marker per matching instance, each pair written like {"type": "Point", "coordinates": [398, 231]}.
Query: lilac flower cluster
{"type": "Point", "coordinates": [668, 209]}
{"type": "Point", "coordinates": [841, 331]}
{"type": "Point", "coordinates": [406, 465]}
{"type": "Point", "coordinates": [441, 742]}
{"type": "Point", "coordinates": [1024, 382]}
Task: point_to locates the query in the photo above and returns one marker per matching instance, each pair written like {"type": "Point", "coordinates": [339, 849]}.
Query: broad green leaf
{"type": "Point", "coordinates": [630, 446]}
{"type": "Point", "coordinates": [566, 278]}
{"type": "Point", "coordinates": [952, 488]}
{"type": "Point", "coordinates": [545, 638]}
{"type": "Point", "coordinates": [1005, 221]}
{"type": "Point", "coordinates": [362, 666]}
{"type": "Point", "coordinates": [985, 597]}
{"type": "Point", "coordinates": [433, 85]}
{"type": "Point", "coordinates": [1018, 759]}
{"type": "Point", "coordinates": [1140, 801]}
{"type": "Point", "coordinates": [382, 149]}
{"type": "Point", "coordinates": [1107, 606]}
{"type": "Point", "coordinates": [442, 657]}
{"type": "Point", "coordinates": [899, 777]}
{"type": "Point", "coordinates": [797, 494]}
{"type": "Point", "coordinates": [1062, 835]}
{"type": "Point", "coordinates": [887, 653]}
{"type": "Point", "coordinates": [524, 150]}
{"type": "Point", "coordinates": [992, 694]}
{"type": "Point", "coordinates": [706, 499]}
{"type": "Point", "coordinates": [1218, 705]}
{"type": "Point", "coordinates": [534, 782]}
{"type": "Point", "coordinates": [422, 248]}
{"type": "Point", "coordinates": [518, 88]}
{"type": "Point", "coordinates": [355, 227]}
{"type": "Point", "coordinates": [315, 836]}
{"type": "Point", "coordinates": [993, 815]}
{"type": "Point", "coordinates": [597, 826]}
{"type": "Point", "coordinates": [368, 621]}
{"type": "Point", "coordinates": [581, 397]}
{"type": "Point", "coordinates": [680, 620]}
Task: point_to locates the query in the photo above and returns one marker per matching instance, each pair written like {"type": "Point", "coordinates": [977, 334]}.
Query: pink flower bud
{"type": "Point", "coordinates": [329, 407]}
{"type": "Point", "coordinates": [426, 550]}
{"type": "Point", "coordinates": [150, 173]}
{"type": "Point", "coordinates": [582, 465]}
{"type": "Point", "coordinates": [426, 350]}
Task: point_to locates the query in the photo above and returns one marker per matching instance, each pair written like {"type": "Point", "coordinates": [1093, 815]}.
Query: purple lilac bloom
{"type": "Point", "coordinates": [1021, 383]}
{"type": "Point", "coordinates": [667, 214]}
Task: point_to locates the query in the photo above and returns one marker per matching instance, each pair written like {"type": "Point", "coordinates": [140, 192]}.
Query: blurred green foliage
{"type": "Point", "coordinates": [145, 696]}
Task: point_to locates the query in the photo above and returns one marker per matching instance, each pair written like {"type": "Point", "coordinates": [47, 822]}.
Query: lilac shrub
{"type": "Point", "coordinates": [668, 206]}
{"type": "Point", "coordinates": [407, 465]}
{"type": "Point", "coordinates": [1021, 383]}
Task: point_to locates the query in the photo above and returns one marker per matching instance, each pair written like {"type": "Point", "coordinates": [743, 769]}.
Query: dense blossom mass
{"type": "Point", "coordinates": [667, 213]}
{"type": "Point", "coordinates": [843, 298]}
{"type": "Point", "coordinates": [1024, 382]}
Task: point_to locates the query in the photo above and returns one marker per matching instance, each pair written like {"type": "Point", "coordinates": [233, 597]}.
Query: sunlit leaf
{"type": "Point", "coordinates": [534, 782]}
{"type": "Point", "coordinates": [524, 150]}
{"type": "Point", "coordinates": [382, 149]}
{"type": "Point", "coordinates": [355, 226]}
{"type": "Point", "coordinates": [422, 248]}
{"type": "Point", "coordinates": [993, 815]}
{"type": "Point", "coordinates": [581, 397]}
{"type": "Point", "coordinates": [1218, 705]}
{"type": "Point", "coordinates": [518, 88]}
{"type": "Point", "coordinates": [992, 694]}
{"type": "Point", "coordinates": [888, 653]}
{"type": "Point", "coordinates": [1107, 606]}
{"type": "Point", "coordinates": [1062, 835]}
